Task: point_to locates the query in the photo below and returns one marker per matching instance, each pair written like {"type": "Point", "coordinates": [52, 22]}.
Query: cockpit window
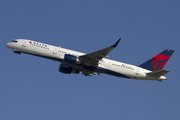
{"type": "Point", "coordinates": [15, 41]}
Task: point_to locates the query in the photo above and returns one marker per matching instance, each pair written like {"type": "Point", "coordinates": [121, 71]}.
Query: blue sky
{"type": "Point", "coordinates": [32, 87]}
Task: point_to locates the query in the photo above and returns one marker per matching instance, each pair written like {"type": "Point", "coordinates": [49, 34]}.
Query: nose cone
{"type": "Point", "coordinates": [8, 45]}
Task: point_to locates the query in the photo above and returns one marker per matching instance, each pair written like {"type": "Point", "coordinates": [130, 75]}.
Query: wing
{"type": "Point", "coordinates": [92, 59]}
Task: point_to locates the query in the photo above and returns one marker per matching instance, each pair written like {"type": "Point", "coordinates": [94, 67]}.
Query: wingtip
{"type": "Point", "coordinates": [117, 42]}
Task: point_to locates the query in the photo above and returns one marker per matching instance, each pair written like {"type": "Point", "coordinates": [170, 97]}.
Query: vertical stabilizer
{"type": "Point", "coordinates": [157, 62]}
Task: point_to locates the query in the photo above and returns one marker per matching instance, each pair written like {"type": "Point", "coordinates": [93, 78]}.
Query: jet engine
{"type": "Point", "coordinates": [71, 59]}
{"type": "Point", "coordinates": [67, 69]}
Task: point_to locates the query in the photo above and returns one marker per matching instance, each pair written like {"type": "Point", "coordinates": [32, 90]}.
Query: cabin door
{"type": "Point", "coordinates": [137, 72]}
{"type": "Point", "coordinates": [55, 51]}
{"type": "Point", "coordinates": [24, 44]}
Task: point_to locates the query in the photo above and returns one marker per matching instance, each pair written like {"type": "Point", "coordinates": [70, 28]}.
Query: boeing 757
{"type": "Point", "coordinates": [94, 63]}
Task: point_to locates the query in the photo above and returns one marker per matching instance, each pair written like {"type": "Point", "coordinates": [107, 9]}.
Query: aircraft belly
{"type": "Point", "coordinates": [110, 72]}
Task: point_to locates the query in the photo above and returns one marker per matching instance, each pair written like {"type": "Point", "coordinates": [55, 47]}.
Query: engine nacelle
{"type": "Point", "coordinates": [67, 69]}
{"type": "Point", "coordinates": [71, 59]}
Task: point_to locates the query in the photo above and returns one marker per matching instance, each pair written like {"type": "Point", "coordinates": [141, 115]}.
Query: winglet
{"type": "Point", "coordinates": [115, 44]}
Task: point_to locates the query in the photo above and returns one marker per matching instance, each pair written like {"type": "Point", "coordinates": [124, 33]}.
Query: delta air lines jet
{"type": "Point", "coordinates": [94, 63]}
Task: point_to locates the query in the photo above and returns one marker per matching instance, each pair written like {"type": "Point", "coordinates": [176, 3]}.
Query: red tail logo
{"type": "Point", "coordinates": [158, 62]}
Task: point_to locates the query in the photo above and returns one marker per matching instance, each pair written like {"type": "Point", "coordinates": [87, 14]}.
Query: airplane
{"type": "Point", "coordinates": [94, 63]}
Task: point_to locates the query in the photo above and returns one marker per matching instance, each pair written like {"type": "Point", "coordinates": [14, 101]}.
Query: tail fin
{"type": "Point", "coordinates": [157, 62]}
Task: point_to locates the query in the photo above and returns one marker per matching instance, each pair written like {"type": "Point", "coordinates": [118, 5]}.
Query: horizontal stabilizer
{"type": "Point", "coordinates": [158, 73]}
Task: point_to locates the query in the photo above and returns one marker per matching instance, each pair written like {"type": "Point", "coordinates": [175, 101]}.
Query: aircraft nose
{"type": "Point", "coordinates": [8, 45]}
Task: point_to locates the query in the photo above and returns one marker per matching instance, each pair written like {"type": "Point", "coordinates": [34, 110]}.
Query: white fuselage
{"type": "Point", "coordinates": [106, 66]}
